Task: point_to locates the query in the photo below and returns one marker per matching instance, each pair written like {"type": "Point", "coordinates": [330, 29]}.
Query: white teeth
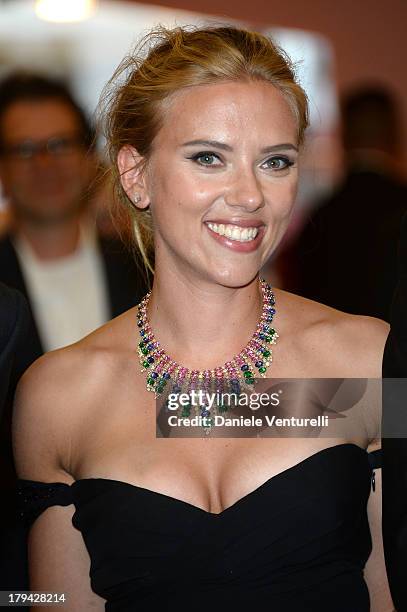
{"type": "Point", "coordinates": [234, 232]}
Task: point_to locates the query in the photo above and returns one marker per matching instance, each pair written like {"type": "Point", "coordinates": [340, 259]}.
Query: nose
{"type": "Point", "coordinates": [245, 191]}
{"type": "Point", "coordinates": [43, 161]}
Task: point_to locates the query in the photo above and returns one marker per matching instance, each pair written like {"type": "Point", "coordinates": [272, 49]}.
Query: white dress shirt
{"type": "Point", "coordinates": [68, 295]}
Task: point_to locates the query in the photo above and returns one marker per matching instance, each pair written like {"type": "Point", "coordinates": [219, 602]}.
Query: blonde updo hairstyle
{"type": "Point", "coordinates": [168, 60]}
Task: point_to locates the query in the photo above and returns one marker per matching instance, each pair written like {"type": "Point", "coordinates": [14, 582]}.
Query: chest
{"type": "Point", "coordinates": [209, 472]}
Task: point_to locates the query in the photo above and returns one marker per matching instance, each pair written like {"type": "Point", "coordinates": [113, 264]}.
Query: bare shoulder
{"type": "Point", "coordinates": [334, 342]}
{"type": "Point", "coordinates": [59, 391]}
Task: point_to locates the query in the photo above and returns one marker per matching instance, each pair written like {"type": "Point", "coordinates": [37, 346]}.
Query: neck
{"type": "Point", "coordinates": [51, 241]}
{"type": "Point", "coordinates": [202, 325]}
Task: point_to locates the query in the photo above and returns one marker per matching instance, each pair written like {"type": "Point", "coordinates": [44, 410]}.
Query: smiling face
{"type": "Point", "coordinates": [221, 180]}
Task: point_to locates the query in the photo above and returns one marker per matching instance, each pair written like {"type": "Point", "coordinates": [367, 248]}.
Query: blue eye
{"type": "Point", "coordinates": [278, 163]}
{"type": "Point", "coordinates": [205, 158]}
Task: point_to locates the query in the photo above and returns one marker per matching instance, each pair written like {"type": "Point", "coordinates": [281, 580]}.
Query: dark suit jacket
{"type": "Point", "coordinates": [15, 325]}
{"type": "Point", "coordinates": [125, 282]}
{"type": "Point", "coordinates": [16, 329]}
{"type": "Point", "coordinates": [395, 449]}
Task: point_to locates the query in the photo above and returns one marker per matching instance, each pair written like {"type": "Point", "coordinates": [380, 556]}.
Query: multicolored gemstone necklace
{"type": "Point", "coordinates": [236, 376]}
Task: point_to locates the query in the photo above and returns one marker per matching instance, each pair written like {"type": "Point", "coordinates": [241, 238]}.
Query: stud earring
{"type": "Point", "coordinates": [137, 198]}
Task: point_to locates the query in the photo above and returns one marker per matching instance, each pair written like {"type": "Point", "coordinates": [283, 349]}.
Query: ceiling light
{"type": "Point", "coordinates": [65, 10]}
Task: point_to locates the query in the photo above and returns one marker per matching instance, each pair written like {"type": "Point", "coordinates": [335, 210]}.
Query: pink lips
{"type": "Point", "coordinates": [235, 245]}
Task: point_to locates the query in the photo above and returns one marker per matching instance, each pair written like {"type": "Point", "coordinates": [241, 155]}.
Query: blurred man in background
{"type": "Point", "coordinates": [347, 254]}
{"type": "Point", "coordinates": [74, 280]}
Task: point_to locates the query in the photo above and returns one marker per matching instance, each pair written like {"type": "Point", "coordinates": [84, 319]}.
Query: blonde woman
{"type": "Point", "coordinates": [205, 131]}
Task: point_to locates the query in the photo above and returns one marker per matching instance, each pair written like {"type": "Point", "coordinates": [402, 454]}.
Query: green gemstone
{"type": "Point", "coordinates": [250, 381]}
{"type": "Point", "coordinates": [222, 408]}
{"type": "Point", "coordinates": [186, 411]}
{"type": "Point", "coordinates": [248, 374]}
{"type": "Point", "coordinates": [262, 369]}
{"type": "Point", "coordinates": [268, 338]}
{"type": "Point", "coordinates": [141, 344]}
{"type": "Point", "coordinates": [150, 381]}
{"type": "Point", "coordinates": [146, 364]}
{"type": "Point", "coordinates": [160, 389]}
{"type": "Point", "coordinates": [266, 353]}
{"type": "Point", "coordinates": [145, 351]}
{"type": "Point", "coordinates": [272, 331]}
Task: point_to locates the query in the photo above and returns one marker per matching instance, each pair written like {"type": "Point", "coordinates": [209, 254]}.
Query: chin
{"type": "Point", "coordinates": [236, 277]}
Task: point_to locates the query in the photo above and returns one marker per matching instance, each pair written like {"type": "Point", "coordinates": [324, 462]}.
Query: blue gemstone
{"type": "Point", "coordinates": [176, 389]}
{"type": "Point", "coordinates": [150, 359]}
{"type": "Point", "coordinates": [166, 376]}
{"type": "Point", "coordinates": [258, 364]}
{"type": "Point", "coordinates": [262, 336]}
{"type": "Point", "coordinates": [142, 332]}
{"type": "Point", "coordinates": [154, 375]}
{"type": "Point", "coordinates": [234, 381]}
{"type": "Point", "coordinates": [269, 318]}
{"type": "Point", "coordinates": [150, 346]}
{"type": "Point", "coordinates": [205, 413]}
{"type": "Point", "coordinates": [272, 310]}
{"type": "Point", "coordinates": [139, 324]}
{"type": "Point", "coordinates": [266, 328]}
{"type": "Point", "coordinates": [244, 367]}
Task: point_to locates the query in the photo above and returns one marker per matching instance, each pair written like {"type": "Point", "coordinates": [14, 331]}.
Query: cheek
{"type": "Point", "coordinates": [20, 179]}
{"type": "Point", "coordinates": [11, 172]}
{"type": "Point", "coordinates": [77, 169]}
{"type": "Point", "coordinates": [190, 187]}
{"type": "Point", "coordinates": [179, 197]}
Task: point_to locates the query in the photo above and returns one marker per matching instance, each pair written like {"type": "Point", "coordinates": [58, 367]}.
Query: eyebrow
{"type": "Point", "coordinates": [226, 147]}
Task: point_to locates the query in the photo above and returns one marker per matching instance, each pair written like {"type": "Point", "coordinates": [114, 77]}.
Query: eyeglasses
{"type": "Point", "coordinates": [57, 146]}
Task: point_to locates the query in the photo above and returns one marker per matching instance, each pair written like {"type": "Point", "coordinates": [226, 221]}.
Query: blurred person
{"type": "Point", "coordinates": [347, 252]}
{"type": "Point", "coordinates": [394, 450]}
{"type": "Point", "coordinates": [73, 279]}
{"type": "Point", "coordinates": [204, 129]}
{"type": "Point", "coordinates": [16, 329]}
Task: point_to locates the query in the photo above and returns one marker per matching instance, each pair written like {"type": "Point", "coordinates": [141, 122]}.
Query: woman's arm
{"type": "Point", "coordinates": [42, 439]}
{"type": "Point", "coordinates": [59, 562]}
{"type": "Point", "coordinates": [375, 570]}
{"type": "Point", "coordinates": [364, 340]}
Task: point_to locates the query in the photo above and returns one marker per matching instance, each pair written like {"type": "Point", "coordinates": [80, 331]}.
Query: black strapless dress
{"type": "Point", "coordinates": [297, 543]}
